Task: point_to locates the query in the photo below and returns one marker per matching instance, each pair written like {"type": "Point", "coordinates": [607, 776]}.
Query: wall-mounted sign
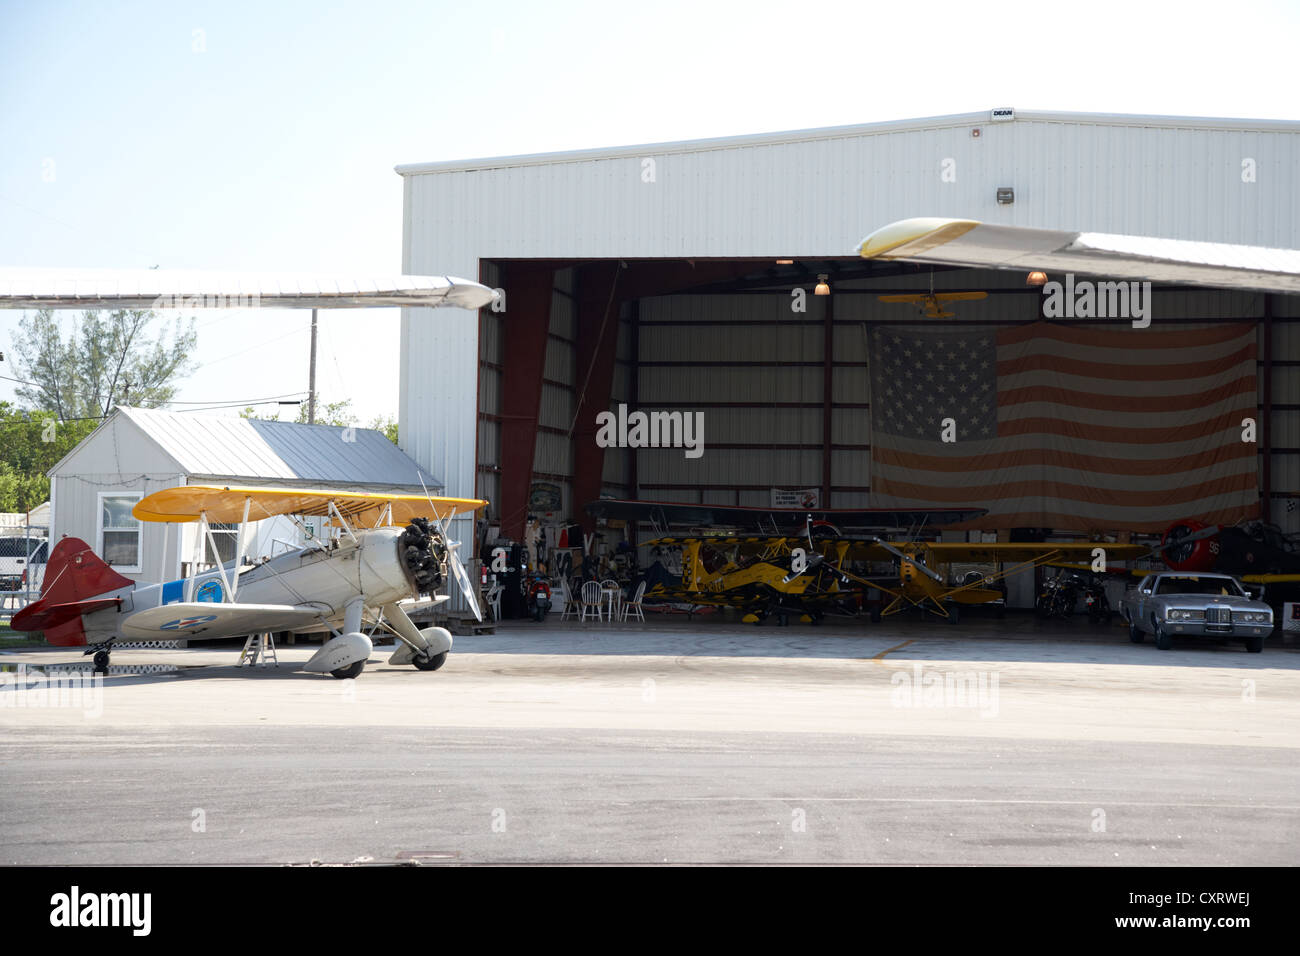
{"type": "Point", "coordinates": [796, 497]}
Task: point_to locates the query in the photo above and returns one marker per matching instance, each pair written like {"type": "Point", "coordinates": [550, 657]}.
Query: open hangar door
{"type": "Point", "coordinates": [782, 381]}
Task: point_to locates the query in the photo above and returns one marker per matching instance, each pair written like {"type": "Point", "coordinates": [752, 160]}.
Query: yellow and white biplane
{"type": "Point", "coordinates": [391, 554]}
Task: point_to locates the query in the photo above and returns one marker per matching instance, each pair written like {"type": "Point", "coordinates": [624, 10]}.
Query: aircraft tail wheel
{"type": "Point", "coordinates": [101, 663]}
{"type": "Point", "coordinates": [430, 663]}
{"type": "Point", "coordinates": [349, 672]}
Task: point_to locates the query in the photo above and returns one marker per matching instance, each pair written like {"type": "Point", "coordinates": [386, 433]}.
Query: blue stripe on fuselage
{"type": "Point", "coordinates": [173, 591]}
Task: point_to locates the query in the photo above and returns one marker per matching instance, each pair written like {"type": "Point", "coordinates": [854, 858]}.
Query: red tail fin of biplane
{"type": "Point", "coordinates": [75, 580]}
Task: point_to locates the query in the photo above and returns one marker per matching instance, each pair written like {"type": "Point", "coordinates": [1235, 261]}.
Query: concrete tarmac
{"type": "Point", "coordinates": [996, 742]}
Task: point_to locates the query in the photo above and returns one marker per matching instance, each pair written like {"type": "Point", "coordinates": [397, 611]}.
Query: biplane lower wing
{"type": "Point", "coordinates": [213, 620]}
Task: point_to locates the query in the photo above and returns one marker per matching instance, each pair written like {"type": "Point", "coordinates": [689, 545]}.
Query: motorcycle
{"type": "Point", "coordinates": [1058, 597]}
{"type": "Point", "coordinates": [537, 592]}
{"type": "Point", "coordinates": [1099, 609]}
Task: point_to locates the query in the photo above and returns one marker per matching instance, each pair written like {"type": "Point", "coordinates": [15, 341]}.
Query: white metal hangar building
{"type": "Point", "coordinates": [664, 277]}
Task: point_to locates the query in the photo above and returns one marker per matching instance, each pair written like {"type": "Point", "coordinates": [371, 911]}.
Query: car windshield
{"type": "Point", "coordinates": [19, 547]}
{"type": "Point", "coordinates": [1222, 587]}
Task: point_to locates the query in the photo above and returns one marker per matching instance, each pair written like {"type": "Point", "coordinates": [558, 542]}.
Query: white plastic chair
{"type": "Point", "coordinates": [634, 606]}
{"type": "Point", "coordinates": [592, 597]}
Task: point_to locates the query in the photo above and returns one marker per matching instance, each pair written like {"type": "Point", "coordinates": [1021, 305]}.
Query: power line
{"type": "Point", "coordinates": [99, 418]}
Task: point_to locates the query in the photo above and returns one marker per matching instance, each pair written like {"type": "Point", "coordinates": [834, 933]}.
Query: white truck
{"type": "Point", "coordinates": [22, 561]}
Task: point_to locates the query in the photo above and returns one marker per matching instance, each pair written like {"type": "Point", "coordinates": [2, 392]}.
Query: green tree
{"type": "Point", "coordinates": [31, 443]}
{"type": "Point", "coordinates": [386, 424]}
{"type": "Point", "coordinates": [106, 359]}
{"type": "Point", "coordinates": [334, 413]}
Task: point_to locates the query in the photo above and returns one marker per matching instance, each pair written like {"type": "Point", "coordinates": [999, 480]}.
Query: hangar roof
{"type": "Point", "coordinates": [851, 130]}
{"type": "Point", "coordinates": [271, 452]}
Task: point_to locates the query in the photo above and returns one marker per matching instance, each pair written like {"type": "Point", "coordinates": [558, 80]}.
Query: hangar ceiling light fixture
{"type": "Point", "coordinates": [1036, 278]}
{"type": "Point", "coordinates": [785, 262]}
{"type": "Point", "coordinates": [822, 287]}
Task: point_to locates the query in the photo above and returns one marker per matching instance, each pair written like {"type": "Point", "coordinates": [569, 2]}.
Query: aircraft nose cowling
{"type": "Point", "coordinates": [422, 555]}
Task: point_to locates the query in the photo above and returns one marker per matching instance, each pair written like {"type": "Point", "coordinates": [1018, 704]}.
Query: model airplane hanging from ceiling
{"type": "Point", "coordinates": [931, 303]}
{"type": "Point", "coordinates": [372, 566]}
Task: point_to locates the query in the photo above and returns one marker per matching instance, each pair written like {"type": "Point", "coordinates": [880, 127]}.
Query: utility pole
{"type": "Point", "coordinates": [311, 375]}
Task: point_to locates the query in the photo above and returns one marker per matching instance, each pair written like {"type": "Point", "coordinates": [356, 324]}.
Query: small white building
{"type": "Point", "coordinates": [137, 451]}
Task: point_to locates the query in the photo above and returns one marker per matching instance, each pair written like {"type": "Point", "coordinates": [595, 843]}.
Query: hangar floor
{"type": "Point", "coordinates": [1008, 742]}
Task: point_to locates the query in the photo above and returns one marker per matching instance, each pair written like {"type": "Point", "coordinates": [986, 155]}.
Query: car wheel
{"type": "Point", "coordinates": [1135, 633]}
{"type": "Point", "coordinates": [1163, 641]}
{"type": "Point", "coordinates": [1255, 644]}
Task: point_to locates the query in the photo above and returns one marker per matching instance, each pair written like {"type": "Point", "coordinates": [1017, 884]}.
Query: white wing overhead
{"type": "Point", "coordinates": [166, 289]}
{"type": "Point", "coordinates": [965, 242]}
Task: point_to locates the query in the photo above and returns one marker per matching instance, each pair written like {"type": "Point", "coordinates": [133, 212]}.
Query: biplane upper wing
{"type": "Point", "coordinates": [766, 519]}
{"type": "Point", "coordinates": [225, 504]}
{"type": "Point", "coordinates": [967, 242]}
{"type": "Point", "coordinates": [184, 289]}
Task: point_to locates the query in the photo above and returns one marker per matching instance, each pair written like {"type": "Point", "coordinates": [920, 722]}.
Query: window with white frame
{"type": "Point", "coordinates": [226, 536]}
{"type": "Point", "coordinates": [120, 531]}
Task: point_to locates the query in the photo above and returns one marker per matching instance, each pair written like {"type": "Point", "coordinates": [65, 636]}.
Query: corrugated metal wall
{"type": "Point", "coordinates": [817, 193]}
{"type": "Point", "coordinates": [812, 194]}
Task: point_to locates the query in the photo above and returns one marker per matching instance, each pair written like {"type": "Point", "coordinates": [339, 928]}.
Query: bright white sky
{"type": "Point", "coordinates": [267, 142]}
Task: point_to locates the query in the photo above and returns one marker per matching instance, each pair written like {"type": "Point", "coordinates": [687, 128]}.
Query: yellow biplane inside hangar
{"type": "Point", "coordinates": [809, 575]}
{"type": "Point", "coordinates": [801, 563]}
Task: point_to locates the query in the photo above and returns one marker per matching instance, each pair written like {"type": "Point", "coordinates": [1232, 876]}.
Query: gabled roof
{"type": "Point", "coordinates": [281, 453]}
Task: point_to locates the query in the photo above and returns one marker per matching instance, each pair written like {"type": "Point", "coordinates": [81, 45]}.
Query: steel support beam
{"type": "Point", "coordinates": [523, 361]}
{"type": "Point", "coordinates": [597, 321]}
{"type": "Point", "coordinates": [828, 394]}
{"type": "Point", "coordinates": [1266, 418]}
